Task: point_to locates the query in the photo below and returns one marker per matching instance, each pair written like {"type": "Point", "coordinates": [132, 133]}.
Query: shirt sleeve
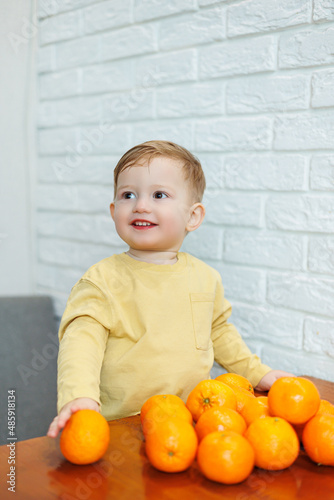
{"type": "Point", "coordinates": [83, 335]}
{"type": "Point", "coordinates": [230, 351]}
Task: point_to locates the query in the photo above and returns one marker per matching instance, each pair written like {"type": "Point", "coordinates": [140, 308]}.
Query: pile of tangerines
{"type": "Point", "coordinates": [229, 430]}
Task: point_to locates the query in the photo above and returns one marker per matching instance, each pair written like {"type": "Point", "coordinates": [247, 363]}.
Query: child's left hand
{"type": "Point", "coordinates": [267, 381]}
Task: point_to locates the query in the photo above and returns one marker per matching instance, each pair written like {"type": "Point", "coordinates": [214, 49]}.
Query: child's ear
{"type": "Point", "coordinates": [112, 210]}
{"type": "Point", "coordinates": [197, 213]}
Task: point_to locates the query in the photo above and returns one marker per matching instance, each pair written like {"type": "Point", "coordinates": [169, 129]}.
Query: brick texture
{"type": "Point", "coordinates": [246, 134]}
{"type": "Point", "coordinates": [322, 86]}
{"type": "Point", "coordinates": [237, 57]}
{"type": "Point", "coordinates": [322, 172]}
{"type": "Point", "coordinates": [252, 16]}
{"type": "Point", "coordinates": [269, 93]}
{"type": "Point", "coordinates": [265, 172]}
{"type": "Point", "coordinates": [323, 10]}
{"type": "Point", "coordinates": [311, 47]}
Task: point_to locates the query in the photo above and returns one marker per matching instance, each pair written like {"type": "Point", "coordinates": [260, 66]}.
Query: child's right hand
{"type": "Point", "coordinates": [60, 420]}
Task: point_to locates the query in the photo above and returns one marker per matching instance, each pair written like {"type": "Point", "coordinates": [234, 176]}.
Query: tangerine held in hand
{"type": "Point", "coordinates": [85, 437]}
{"type": "Point", "coordinates": [296, 399]}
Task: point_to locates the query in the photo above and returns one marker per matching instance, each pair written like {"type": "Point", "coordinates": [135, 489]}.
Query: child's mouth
{"type": "Point", "coordinates": [142, 225]}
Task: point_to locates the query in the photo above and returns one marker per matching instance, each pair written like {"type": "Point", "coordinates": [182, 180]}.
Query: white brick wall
{"type": "Point", "coordinates": [253, 16]}
{"type": "Point", "coordinates": [247, 85]}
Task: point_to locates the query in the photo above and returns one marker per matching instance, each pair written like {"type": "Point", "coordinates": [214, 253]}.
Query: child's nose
{"type": "Point", "coordinates": [142, 205]}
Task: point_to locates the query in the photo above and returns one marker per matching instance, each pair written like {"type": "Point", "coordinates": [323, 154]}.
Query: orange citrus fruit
{"type": "Point", "coordinates": [243, 396]}
{"type": "Point", "coordinates": [235, 380]}
{"type": "Point", "coordinates": [209, 393]}
{"type": "Point", "coordinates": [255, 408]}
{"type": "Point", "coordinates": [219, 418]}
{"type": "Point", "coordinates": [318, 439]}
{"type": "Point", "coordinates": [325, 407]}
{"type": "Point", "coordinates": [158, 414]}
{"type": "Point", "coordinates": [172, 446]}
{"type": "Point", "coordinates": [296, 399]}
{"type": "Point", "coordinates": [225, 457]}
{"type": "Point", "coordinates": [167, 402]}
{"type": "Point", "coordinates": [274, 441]}
{"type": "Point", "coordinates": [85, 437]}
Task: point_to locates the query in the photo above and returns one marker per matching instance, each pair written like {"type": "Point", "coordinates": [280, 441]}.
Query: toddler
{"type": "Point", "coordinates": [151, 320]}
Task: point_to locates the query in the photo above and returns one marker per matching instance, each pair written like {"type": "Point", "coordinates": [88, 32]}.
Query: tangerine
{"type": "Point", "coordinates": [325, 407]}
{"type": "Point", "coordinates": [243, 396]}
{"type": "Point", "coordinates": [255, 408]}
{"type": "Point", "coordinates": [225, 457]}
{"type": "Point", "coordinates": [158, 414]}
{"type": "Point", "coordinates": [168, 402]}
{"type": "Point", "coordinates": [219, 418]}
{"type": "Point", "coordinates": [172, 446]}
{"type": "Point", "coordinates": [235, 380]}
{"type": "Point", "coordinates": [85, 437]}
{"type": "Point", "coordinates": [209, 393]}
{"type": "Point", "coordinates": [318, 439]}
{"type": "Point", "coordinates": [296, 399]}
{"type": "Point", "coordinates": [274, 441]}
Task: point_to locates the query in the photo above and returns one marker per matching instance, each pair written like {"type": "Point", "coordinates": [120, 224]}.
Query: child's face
{"type": "Point", "coordinates": [159, 196]}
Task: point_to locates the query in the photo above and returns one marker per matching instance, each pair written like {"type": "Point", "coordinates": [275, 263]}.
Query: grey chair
{"type": "Point", "coordinates": [28, 365]}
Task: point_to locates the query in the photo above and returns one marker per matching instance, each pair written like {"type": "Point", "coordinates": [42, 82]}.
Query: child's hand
{"type": "Point", "coordinates": [267, 381]}
{"type": "Point", "coordinates": [60, 420]}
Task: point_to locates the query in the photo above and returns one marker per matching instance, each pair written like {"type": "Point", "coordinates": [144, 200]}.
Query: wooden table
{"type": "Point", "coordinates": [125, 473]}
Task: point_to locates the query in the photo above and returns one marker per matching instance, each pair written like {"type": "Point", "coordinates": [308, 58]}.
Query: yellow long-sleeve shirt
{"type": "Point", "coordinates": [133, 329]}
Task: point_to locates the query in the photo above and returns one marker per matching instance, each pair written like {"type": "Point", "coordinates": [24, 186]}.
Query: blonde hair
{"type": "Point", "coordinates": [192, 168]}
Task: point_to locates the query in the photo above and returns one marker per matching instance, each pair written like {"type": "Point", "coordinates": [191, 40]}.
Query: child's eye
{"type": "Point", "coordinates": [128, 195]}
{"type": "Point", "coordinates": [159, 195]}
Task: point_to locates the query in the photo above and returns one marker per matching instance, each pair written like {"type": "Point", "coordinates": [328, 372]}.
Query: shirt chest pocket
{"type": "Point", "coordinates": [202, 312]}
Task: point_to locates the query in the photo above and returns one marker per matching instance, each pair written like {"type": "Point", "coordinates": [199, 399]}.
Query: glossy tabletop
{"type": "Point", "coordinates": [124, 473]}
